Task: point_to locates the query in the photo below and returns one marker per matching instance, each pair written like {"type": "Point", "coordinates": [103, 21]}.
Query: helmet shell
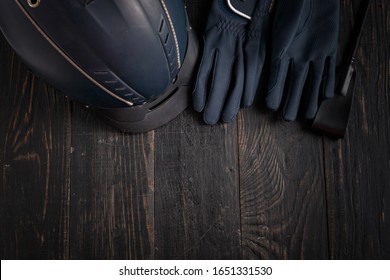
{"type": "Point", "coordinates": [109, 54]}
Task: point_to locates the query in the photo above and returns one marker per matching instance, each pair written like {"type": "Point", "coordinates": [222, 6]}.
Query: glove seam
{"type": "Point", "coordinates": [236, 29]}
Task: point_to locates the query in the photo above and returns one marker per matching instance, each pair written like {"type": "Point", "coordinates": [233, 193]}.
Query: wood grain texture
{"type": "Point", "coordinates": [197, 205]}
{"type": "Point", "coordinates": [112, 203]}
{"type": "Point", "coordinates": [282, 190]}
{"type": "Point", "coordinates": [196, 181]}
{"type": "Point", "coordinates": [357, 168]}
{"type": "Point", "coordinates": [35, 164]}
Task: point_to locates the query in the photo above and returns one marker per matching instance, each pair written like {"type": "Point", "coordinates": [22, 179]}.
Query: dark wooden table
{"type": "Point", "coordinates": [259, 188]}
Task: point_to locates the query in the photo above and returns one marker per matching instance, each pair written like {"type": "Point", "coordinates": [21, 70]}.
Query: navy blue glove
{"type": "Point", "coordinates": [220, 81]}
{"type": "Point", "coordinates": [255, 47]}
{"type": "Point", "coordinates": [304, 49]}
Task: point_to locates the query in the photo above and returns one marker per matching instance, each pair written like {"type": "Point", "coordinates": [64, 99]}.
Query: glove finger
{"type": "Point", "coordinates": [277, 79]}
{"type": "Point", "coordinates": [219, 88]}
{"type": "Point", "coordinates": [200, 92]}
{"type": "Point", "coordinates": [232, 106]}
{"type": "Point", "coordinates": [316, 74]}
{"type": "Point", "coordinates": [329, 78]}
{"type": "Point", "coordinates": [254, 60]}
{"type": "Point", "coordinates": [294, 96]}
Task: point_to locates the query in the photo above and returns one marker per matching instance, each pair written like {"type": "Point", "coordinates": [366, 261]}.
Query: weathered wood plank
{"type": "Point", "coordinates": [357, 168]}
{"type": "Point", "coordinates": [112, 203]}
{"type": "Point", "coordinates": [35, 164]}
{"type": "Point", "coordinates": [197, 206]}
{"type": "Point", "coordinates": [283, 209]}
{"type": "Point", "coordinates": [196, 184]}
